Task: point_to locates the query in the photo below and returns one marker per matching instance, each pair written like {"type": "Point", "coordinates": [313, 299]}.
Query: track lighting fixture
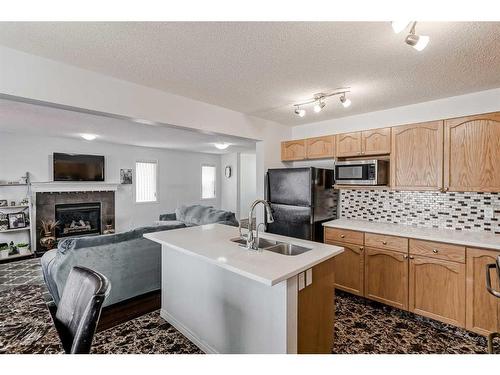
{"type": "Point", "coordinates": [320, 104]}
{"type": "Point", "coordinates": [345, 102]}
{"type": "Point", "coordinates": [419, 42]}
{"type": "Point", "coordinates": [300, 112]}
{"type": "Point", "coordinates": [319, 101]}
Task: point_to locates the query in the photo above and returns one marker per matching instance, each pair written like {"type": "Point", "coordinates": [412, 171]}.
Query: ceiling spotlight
{"type": "Point", "coordinates": [88, 137]}
{"type": "Point", "coordinates": [300, 112]}
{"type": "Point", "coordinates": [419, 42]}
{"type": "Point", "coordinates": [221, 146]}
{"type": "Point", "coordinates": [320, 104]}
{"type": "Point", "coordinates": [399, 26]}
{"type": "Point", "coordinates": [345, 102]}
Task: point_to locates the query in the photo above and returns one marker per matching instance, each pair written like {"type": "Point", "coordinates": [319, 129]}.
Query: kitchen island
{"type": "Point", "coordinates": [227, 299]}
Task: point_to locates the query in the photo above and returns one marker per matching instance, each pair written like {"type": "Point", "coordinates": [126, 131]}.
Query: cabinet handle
{"type": "Point", "coordinates": [435, 251]}
{"type": "Point", "coordinates": [411, 257]}
{"type": "Point", "coordinates": [384, 242]}
{"type": "Point", "coordinates": [446, 188]}
{"type": "Point", "coordinates": [342, 236]}
{"type": "Point", "coordinates": [361, 248]}
{"type": "Point", "coordinates": [405, 256]}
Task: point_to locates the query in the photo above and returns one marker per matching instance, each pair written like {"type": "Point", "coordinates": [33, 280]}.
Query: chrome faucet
{"type": "Point", "coordinates": [251, 245]}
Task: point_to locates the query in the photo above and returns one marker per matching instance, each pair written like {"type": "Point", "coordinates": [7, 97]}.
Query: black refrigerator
{"type": "Point", "coordinates": [301, 200]}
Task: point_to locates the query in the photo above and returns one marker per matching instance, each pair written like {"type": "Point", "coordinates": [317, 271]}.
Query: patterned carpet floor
{"type": "Point", "coordinates": [361, 326]}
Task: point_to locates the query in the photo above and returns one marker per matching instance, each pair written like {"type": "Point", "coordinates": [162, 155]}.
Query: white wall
{"type": "Point", "coordinates": [229, 187]}
{"type": "Point", "coordinates": [248, 178]}
{"type": "Point", "coordinates": [456, 106]}
{"type": "Point", "coordinates": [179, 172]}
{"type": "Point", "coordinates": [33, 77]}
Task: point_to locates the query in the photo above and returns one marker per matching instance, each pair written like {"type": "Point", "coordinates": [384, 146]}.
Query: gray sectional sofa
{"type": "Point", "coordinates": [129, 261]}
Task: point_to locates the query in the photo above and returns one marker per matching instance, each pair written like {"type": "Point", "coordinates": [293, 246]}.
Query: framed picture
{"type": "Point", "coordinates": [125, 176]}
{"type": "Point", "coordinates": [3, 202]}
{"type": "Point", "coordinates": [17, 220]}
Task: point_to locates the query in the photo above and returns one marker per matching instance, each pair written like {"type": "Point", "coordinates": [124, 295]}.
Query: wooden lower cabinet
{"type": "Point", "coordinates": [349, 268]}
{"type": "Point", "coordinates": [386, 277]}
{"type": "Point", "coordinates": [482, 308]}
{"type": "Point", "coordinates": [437, 289]}
{"type": "Point", "coordinates": [316, 311]}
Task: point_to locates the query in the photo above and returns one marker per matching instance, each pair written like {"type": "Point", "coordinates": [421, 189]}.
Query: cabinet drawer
{"type": "Point", "coordinates": [344, 235]}
{"type": "Point", "coordinates": [381, 241]}
{"type": "Point", "coordinates": [438, 250]}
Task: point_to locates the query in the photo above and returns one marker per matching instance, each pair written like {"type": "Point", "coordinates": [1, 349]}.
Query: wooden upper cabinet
{"type": "Point", "coordinates": [349, 144]}
{"type": "Point", "coordinates": [472, 153]}
{"type": "Point", "coordinates": [437, 289]}
{"type": "Point", "coordinates": [483, 309]}
{"type": "Point", "coordinates": [417, 156]}
{"type": "Point", "coordinates": [367, 142]}
{"type": "Point", "coordinates": [320, 147]}
{"type": "Point", "coordinates": [293, 150]}
{"type": "Point", "coordinates": [376, 142]}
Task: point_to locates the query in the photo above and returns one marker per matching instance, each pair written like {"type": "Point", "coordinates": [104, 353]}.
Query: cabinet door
{"type": "Point", "coordinates": [472, 153]}
{"type": "Point", "coordinates": [293, 150]}
{"type": "Point", "coordinates": [349, 144]}
{"type": "Point", "coordinates": [376, 142]}
{"type": "Point", "coordinates": [386, 277]}
{"type": "Point", "coordinates": [320, 147]}
{"type": "Point", "coordinates": [316, 311]}
{"type": "Point", "coordinates": [349, 268]}
{"type": "Point", "coordinates": [437, 289]}
{"type": "Point", "coordinates": [482, 308]}
{"type": "Point", "coordinates": [417, 156]}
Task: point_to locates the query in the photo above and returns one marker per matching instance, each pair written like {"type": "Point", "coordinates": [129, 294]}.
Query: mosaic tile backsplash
{"type": "Point", "coordinates": [459, 211]}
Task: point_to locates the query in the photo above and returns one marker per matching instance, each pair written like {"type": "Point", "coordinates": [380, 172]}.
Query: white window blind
{"type": "Point", "coordinates": [146, 181]}
{"type": "Point", "coordinates": [207, 182]}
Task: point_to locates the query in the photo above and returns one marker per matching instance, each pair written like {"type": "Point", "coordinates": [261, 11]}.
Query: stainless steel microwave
{"type": "Point", "coordinates": [362, 172]}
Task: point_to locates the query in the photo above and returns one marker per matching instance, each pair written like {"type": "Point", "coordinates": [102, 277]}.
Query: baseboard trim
{"type": "Point", "coordinates": [188, 333]}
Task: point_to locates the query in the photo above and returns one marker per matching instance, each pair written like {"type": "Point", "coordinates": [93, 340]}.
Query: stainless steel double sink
{"type": "Point", "coordinates": [278, 247]}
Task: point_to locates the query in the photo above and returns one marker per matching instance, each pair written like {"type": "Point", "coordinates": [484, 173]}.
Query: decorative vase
{"type": "Point", "coordinates": [48, 240]}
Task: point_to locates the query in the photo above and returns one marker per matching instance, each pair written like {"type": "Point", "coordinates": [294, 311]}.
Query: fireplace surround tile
{"type": "Point", "coordinates": [46, 202]}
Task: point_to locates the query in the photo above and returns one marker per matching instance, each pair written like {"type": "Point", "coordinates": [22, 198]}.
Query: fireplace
{"type": "Point", "coordinates": [78, 219]}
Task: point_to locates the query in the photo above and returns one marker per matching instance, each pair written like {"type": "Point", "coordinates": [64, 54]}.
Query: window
{"type": "Point", "coordinates": [146, 181]}
{"type": "Point", "coordinates": [207, 182]}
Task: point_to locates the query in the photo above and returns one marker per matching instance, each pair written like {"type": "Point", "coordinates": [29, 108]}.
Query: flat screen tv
{"type": "Point", "coordinates": [77, 167]}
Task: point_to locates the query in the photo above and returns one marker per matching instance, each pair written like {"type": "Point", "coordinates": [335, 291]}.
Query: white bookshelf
{"type": "Point", "coordinates": [7, 191]}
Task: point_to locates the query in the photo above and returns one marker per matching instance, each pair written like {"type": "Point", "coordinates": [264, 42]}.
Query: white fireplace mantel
{"type": "Point", "coordinates": [61, 187]}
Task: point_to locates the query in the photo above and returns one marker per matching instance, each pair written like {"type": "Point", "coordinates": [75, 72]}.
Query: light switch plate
{"type": "Point", "coordinates": [302, 280]}
{"type": "Point", "coordinates": [309, 276]}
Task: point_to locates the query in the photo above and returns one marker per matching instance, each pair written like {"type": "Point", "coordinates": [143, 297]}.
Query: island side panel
{"type": "Point", "coordinates": [316, 311]}
{"type": "Point", "coordinates": [220, 311]}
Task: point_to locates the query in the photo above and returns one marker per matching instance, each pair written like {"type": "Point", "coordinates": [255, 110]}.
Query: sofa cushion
{"type": "Point", "coordinates": [201, 215]}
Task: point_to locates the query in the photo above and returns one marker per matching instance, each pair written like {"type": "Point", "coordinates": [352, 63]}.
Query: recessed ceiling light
{"type": "Point", "coordinates": [221, 146]}
{"type": "Point", "coordinates": [88, 137]}
{"type": "Point", "coordinates": [399, 26]}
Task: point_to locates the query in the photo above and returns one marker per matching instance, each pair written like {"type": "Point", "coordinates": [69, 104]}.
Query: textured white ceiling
{"type": "Point", "coordinates": [262, 68]}
{"type": "Point", "coordinates": [25, 118]}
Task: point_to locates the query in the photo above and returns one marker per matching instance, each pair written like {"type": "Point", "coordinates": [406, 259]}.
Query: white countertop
{"type": "Point", "coordinates": [466, 238]}
{"type": "Point", "coordinates": [212, 243]}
